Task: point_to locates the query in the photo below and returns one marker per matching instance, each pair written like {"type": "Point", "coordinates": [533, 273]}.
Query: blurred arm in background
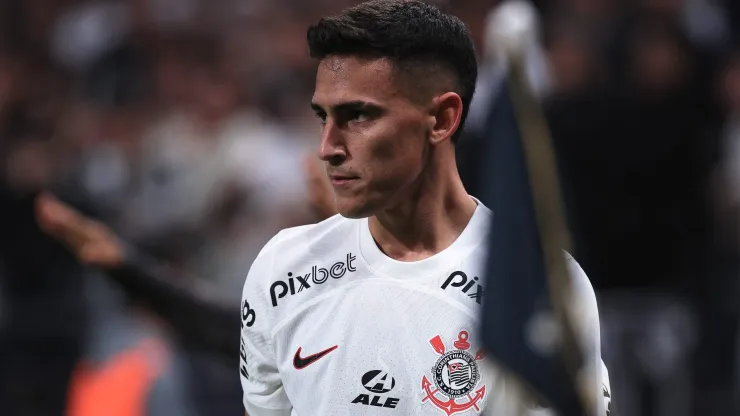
{"type": "Point", "coordinates": [320, 193]}
{"type": "Point", "coordinates": [192, 308]}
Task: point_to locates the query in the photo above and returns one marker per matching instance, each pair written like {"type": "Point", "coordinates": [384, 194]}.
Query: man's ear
{"type": "Point", "coordinates": [445, 116]}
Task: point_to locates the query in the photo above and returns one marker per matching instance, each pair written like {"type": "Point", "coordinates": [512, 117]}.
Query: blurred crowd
{"type": "Point", "coordinates": [185, 126]}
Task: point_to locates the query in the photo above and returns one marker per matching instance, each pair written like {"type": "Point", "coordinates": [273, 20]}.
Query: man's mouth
{"type": "Point", "coordinates": [342, 180]}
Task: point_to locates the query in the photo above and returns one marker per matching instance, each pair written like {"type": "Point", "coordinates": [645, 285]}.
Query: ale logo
{"type": "Point", "coordinates": [377, 382]}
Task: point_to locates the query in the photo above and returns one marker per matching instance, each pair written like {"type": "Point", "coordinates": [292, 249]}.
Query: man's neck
{"type": "Point", "coordinates": [426, 222]}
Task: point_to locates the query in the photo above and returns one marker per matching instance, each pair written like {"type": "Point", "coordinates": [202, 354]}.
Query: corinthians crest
{"type": "Point", "coordinates": [455, 375]}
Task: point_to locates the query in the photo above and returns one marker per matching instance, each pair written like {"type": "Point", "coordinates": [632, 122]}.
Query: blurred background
{"type": "Point", "coordinates": [184, 124]}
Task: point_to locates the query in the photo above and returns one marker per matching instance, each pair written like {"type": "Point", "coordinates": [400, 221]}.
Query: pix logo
{"type": "Point", "coordinates": [460, 279]}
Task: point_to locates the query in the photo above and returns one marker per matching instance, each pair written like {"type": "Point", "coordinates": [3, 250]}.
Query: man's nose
{"type": "Point", "coordinates": [332, 148]}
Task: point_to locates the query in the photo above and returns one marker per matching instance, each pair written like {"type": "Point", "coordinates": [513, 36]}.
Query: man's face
{"type": "Point", "coordinates": [374, 138]}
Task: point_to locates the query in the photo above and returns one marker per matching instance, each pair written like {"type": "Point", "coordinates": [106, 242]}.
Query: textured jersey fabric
{"type": "Point", "coordinates": [332, 326]}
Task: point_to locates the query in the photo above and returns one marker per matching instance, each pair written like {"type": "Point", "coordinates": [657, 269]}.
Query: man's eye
{"type": "Point", "coordinates": [359, 116]}
{"type": "Point", "coordinates": [321, 117]}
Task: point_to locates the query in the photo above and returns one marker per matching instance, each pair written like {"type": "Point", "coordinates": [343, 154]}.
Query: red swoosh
{"type": "Point", "coordinates": [302, 362]}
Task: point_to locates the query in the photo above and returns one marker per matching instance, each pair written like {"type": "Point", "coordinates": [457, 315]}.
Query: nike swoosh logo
{"type": "Point", "coordinates": [302, 362]}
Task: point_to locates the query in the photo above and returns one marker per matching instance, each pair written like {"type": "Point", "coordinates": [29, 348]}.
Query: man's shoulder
{"type": "Point", "coordinates": [297, 260]}
{"type": "Point", "coordinates": [585, 314]}
{"type": "Point", "coordinates": [331, 230]}
{"type": "Point", "coordinates": [297, 245]}
{"type": "Point", "coordinates": [582, 290]}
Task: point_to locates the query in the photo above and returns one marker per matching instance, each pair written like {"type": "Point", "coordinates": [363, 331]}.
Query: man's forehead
{"type": "Point", "coordinates": [340, 65]}
{"type": "Point", "coordinates": [354, 78]}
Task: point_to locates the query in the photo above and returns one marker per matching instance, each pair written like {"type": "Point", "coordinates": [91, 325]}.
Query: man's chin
{"type": "Point", "coordinates": [354, 210]}
{"type": "Point", "coordinates": [353, 215]}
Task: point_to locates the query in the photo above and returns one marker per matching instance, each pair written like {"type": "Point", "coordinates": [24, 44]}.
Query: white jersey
{"type": "Point", "coordinates": [332, 326]}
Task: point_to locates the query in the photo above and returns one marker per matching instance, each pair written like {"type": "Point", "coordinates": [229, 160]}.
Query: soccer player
{"type": "Point", "coordinates": [374, 310]}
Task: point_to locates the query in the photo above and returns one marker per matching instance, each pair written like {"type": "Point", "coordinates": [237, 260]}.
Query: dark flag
{"type": "Point", "coordinates": [527, 276]}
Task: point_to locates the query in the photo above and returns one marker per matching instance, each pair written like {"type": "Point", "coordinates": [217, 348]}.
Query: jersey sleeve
{"type": "Point", "coordinates": [606, 390]}
{"type": "Point", "coordinates": [588, 331]}
{"type": "Point", "coordinates": [263, 392]}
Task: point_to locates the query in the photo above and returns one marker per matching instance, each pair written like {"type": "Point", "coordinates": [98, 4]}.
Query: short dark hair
{"type": "Point", "coordinates": [414, 35]}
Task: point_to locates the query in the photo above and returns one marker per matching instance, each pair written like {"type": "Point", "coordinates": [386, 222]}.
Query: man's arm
{"type": "Point", "coordinates": [607, 391]}
{"type": "Point", "coordinates": [594, 371]}
{"type": "Point", "coordinates": [588, 332]}
{"type": "Point", "coordinates": [192, 309]}
{"type": "Point", "coordinates": [320, 193]}
{"type": "Point", "coordinates": [264, 394]}
{"type": "Point", "coordinates": [189, 305]}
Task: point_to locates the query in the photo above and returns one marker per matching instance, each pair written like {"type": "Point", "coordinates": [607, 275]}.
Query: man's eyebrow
{"type": "Point", "coordinates": [316, 108]}
{"type": "Point", "coordinates": [343, 107]}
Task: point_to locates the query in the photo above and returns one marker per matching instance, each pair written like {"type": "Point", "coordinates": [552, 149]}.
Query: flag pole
{"type": "Point", "coordinates": [549, 209]}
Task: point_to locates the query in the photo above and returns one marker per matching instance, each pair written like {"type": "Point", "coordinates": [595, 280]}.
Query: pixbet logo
{"type": "Point", "coordinates": [460, 279]}
{"type": "Point", "coordinates": [317, 276]}
{"type": "Point", "coordinates": [377, 382]}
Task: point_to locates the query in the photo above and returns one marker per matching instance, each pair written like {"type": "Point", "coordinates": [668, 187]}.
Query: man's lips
{"type": "Point", "coordinates": [340, 180]}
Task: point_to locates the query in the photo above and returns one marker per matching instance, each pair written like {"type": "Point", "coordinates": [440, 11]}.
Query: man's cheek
{"type": "Point", "coordinates": [385, 149]}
